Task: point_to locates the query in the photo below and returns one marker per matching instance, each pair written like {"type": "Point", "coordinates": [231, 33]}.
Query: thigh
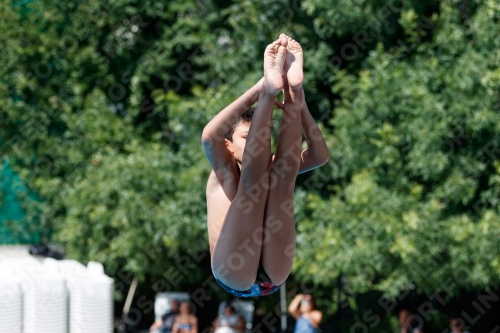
{"type": "Point", "coordinates": [237, 238]}
{"type": "Point", "coordinates": [278, 249]}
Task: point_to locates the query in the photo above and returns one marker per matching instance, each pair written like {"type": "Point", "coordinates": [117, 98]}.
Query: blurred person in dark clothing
{"type": "Point", "coordinates": [408, 322]}
{"type": "Point", "coordinates": [165, 324]}
{"type": "Point", "coordinates": [303, 309]}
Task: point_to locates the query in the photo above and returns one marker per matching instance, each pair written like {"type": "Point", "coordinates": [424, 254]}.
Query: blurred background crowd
{"type": "Point", "coordinates": [102, 105]}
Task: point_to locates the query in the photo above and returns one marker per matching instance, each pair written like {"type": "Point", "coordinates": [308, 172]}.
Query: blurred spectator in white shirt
{"type": "Point", "coordinates": [228, 322]}
{"type": "Point", "coordinates": [166, 323]}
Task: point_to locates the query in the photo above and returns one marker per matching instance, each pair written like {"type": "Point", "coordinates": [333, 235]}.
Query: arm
{"type": "Point", "coordinates": [215, 324]}
{"type": "Point", "coordinates": [156, 325]}
{"type": "Point", "coordinates": [174, 327]}
{"type": "Point", "coordinates": [212, 137]}
{"type": "Point", "coordinates": [221, 123]}
{"type": "Point", "coordinates": [194, 328]}
{"type": "Point", "coordinates": [316, 317]}
{"type": "Point", "coordinates": [293, 308]}
{"type": "Point", "coordinates": [240, 325]}
{"type": "Point", "coordinates": [316, 153]}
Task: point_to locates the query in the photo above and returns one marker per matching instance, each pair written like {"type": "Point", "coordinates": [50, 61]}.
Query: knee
{"type": "Point", "coordinates": [238, 279]}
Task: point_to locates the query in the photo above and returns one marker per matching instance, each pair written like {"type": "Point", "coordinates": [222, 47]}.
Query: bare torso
{"type": "Point", "coordinates": [220, 193]}
{"type": "Point", "coordinates": [217, 206]}
{"type": "Point", "coordinates": [185, 323]}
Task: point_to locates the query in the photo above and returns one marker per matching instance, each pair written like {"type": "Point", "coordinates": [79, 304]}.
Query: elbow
{"type": "Point", "coordinates": [206, 136]}
{"type": "Point", "coordinates": [324, 158]}
{"type": "Point", "coordinates": [209, 136]}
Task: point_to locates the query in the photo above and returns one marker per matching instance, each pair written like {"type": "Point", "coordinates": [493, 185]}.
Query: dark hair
{"type": "Point", "coordinates": [188, 304]}
{"type": "Point", "coordinates": [245, 118]}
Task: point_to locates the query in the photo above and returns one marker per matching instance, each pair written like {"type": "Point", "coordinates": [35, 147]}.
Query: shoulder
{"type": "Point", "coordinates": [316, 317]}
{"type": "Point", "coordinates": [223, 181]}
{"type": "Point", "coordinates": [316, 313]}
{"type": "Point", "coordinates": [169, 314]}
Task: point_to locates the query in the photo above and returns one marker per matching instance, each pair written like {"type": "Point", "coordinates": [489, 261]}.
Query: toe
{"type": "Point", "coordinates": [284, 42]}
{"type": "Point", "coordinates": [283, 39]}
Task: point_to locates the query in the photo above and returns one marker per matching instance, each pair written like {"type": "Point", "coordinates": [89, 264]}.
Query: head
{"type": "Point", "coordinates": [175, 305]}
{"type": "Point", "coordinates": [307, 304]}
{"type": "Point", "coordinates": [408, 320]}
{"type": "Point", "coordinates": [456, 325]}
{"type": "Point", "coordinates": [405, 318]}
{"type": "Point", "coordinates": [236, 137]}
{"type": "Point", "coordinates": [229, 310]}
{"type": "Point", "coordinates": [185, 308]}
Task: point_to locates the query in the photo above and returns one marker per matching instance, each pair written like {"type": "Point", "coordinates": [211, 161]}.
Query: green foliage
{"type": "Point", "coordinates": [103, 104]}
{"type": "Point", "coordinates": [417, 138]}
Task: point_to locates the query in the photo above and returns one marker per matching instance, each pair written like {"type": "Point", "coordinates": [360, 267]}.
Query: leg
{"type": "Point", "coordinates": [278, 248]}
{"type": "Point", "coordinates": [237, 250]}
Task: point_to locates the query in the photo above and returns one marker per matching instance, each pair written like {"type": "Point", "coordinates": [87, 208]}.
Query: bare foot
{"type": "Point", "coordinates": [274, 59]}
{"type": "Point", "coordinates": [293, 64]}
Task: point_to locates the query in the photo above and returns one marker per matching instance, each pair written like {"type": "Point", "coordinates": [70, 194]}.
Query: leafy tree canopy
{"type": "Point", "coordinates": [103, 104]}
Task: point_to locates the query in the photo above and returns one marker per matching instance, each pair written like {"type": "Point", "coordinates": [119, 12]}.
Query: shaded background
{"type": "Point", "coordinates": [102, 105]}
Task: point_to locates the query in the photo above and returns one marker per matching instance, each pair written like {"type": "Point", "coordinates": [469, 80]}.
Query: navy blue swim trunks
{"type": "Point", "coordinates": [261, 287]}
